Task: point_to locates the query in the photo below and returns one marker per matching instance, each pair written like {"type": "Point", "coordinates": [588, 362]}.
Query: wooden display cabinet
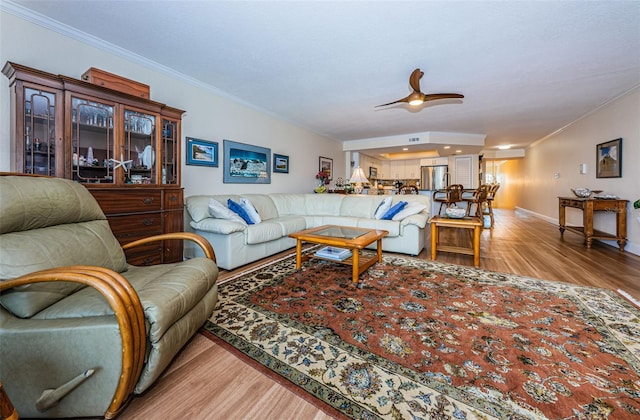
{"type": "Point", "coordinates": [125, 148]}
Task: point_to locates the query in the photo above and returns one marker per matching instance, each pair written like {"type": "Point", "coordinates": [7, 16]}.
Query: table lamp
{"type": "Point", "coordinates": [358, 178]}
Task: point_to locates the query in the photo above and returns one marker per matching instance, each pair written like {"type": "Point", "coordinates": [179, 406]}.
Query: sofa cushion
{"type": "Point", "coordinates": [392, 226]}
{"type": "Point", "coordinates": [409, 210]}
{"type": "Point", "coordinates": [263, 232]}
{"type": "Point", "coordinates": [328, 204]}
{"type": "Point", "coordinates": [86, 243]}
{"type": "Point", "coordinates": [383, 208]}
{"type": "Point", "coordinates": [237, 209]}
{"type": "Point", "coordinates": [220, 211]}
{"type": "Point", "coordinates": [395, 209]}
{"type": "Point", "coordinates": [291, 224]}
{"type": "Point", "coordinates": [263, 204]}
{"type": "Point", "coordinates": [250, 209]}
{"type": "Point", "coordinates": [358, 206]}
{"type": "Point", "coordinates": [289, 204]}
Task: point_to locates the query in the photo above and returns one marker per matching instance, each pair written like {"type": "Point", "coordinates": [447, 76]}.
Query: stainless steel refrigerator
{"type": "Point", "coordinates": [434, 177]}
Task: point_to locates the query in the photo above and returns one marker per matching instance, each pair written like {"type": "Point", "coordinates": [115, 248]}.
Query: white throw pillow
{"type": "Point", "coordinates": [383, 207]}
{"type": "Point", "coordinates": [410, 209]}
{"type": "Point", "coordinates": [220, 211]}
{"type": "Point", "coordinates": [251, 210]}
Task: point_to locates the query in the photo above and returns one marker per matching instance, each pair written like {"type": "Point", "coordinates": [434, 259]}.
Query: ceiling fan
{"type": "Point", "coordinates": [417, 97]}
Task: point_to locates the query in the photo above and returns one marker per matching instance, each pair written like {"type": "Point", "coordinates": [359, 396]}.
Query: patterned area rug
{"type": "Point", "coordinates": [424, 340]}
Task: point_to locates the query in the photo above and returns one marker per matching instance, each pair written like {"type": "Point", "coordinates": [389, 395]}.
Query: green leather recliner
{"type": "Point", "coordinates": [81, 330]}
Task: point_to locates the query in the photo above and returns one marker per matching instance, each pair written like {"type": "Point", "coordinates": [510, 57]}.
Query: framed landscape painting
{"type": "Point", "coordinates": [246, 164]}
{"type": "Point", "coordinates": [202, 152]}
{"type": "Point", "coordinates": [280, 163]}
{"type": "Point", "coordinates": [609, 159]}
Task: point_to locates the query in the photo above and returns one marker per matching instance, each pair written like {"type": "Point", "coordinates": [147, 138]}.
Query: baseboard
{"type": "Point", "coordinates": [631, 247]}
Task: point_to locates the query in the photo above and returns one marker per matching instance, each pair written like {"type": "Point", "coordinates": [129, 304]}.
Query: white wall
{"type": "Point", "coordinates": [209, 115]}
{"type": "Point", "coordinates": [538, 189]}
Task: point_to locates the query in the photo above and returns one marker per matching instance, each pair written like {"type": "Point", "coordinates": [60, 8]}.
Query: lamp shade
{"type": "Point", "coordinates": [358, 175]}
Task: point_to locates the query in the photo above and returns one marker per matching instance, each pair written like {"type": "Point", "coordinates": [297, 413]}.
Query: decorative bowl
{"type": "Point", "coordinates": [581, 192]}
{"type": "Point", "coordinates": [456, 212]}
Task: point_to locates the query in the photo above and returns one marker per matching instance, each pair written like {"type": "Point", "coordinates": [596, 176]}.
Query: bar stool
{"type": "Point", "coordinates": [490, 196]}
{"type": "Point", "coordinates": [452, 196]}
{"type": "Point", "coordinates": [478, 198]}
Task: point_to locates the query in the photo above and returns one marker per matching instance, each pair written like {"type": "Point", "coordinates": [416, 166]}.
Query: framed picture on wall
{"type": "Point", "coordinates": [246, 164]}
{"type": "Point", "coordinates": [280, 163]}
{"type": "Point", "coordinates": [202, 152]}
{"type": "Point", "coordinates": [609, 159]}
{"type": "Point", "coordinates": [326, 165]}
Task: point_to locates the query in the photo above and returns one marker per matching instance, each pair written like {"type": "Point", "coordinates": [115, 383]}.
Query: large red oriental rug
{"type": "Point", "coordinates": [425, 340]}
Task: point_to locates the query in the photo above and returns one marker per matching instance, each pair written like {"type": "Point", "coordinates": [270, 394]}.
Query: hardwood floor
{"type": "Point", "coordinates": [207, 382]}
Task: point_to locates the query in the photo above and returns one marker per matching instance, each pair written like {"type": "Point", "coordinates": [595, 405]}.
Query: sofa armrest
{"type": "Point", "coordinates": [219, 226]}
{"type": "Point", "coordinates": [202, 242]}
{"type": "Point", "coordinates": [127, 309]}
{"type": "Point", "coordinates": [419, 220]}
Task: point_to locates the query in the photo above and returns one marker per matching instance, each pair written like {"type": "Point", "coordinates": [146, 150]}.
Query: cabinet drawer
{"type": "Point", "coordinates": [136, 226]}
{"type": "Point", "coordinates": [123, 202]}
{"type": "Point", "coordinates": [173, 199]}
{"type": "Point", "coordinates": [149, 254]}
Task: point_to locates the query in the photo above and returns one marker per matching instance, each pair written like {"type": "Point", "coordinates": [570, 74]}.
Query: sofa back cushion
{"type": "Point", "coordinates": [49, 223]}
{"type": "Point", "coordinates": [263, 204]}
{"type": "Point", "coordinates": [363, 206]}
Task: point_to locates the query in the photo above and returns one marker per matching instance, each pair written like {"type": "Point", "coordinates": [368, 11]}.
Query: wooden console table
{"type": "Point", "coordinates": [588, 207]}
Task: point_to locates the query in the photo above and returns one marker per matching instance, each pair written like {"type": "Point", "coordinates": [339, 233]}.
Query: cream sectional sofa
{"type": "Point", "coordinates": [237, 243]}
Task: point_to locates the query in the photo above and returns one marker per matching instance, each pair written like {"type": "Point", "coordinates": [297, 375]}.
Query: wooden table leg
{"type": "Point", "coordinates": [434, 240]}
{"type": "Point", "coordinates": [379, 248]}
{"type": "Point", "coordinates": [356, 266]}
{"type": "Point", "coordinates": [476, 245]}
{"type": "Point", "coordinates": [298, 254]}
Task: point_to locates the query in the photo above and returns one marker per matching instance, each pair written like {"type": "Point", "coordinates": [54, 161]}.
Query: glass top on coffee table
{"type": "Point", "coordinates": [340, 232]}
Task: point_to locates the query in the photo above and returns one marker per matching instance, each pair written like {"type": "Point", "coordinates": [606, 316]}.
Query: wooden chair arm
{"type": "Point", "coordinates": [127, 309]}
{"type": "Point", "coordinates": [201, 241]}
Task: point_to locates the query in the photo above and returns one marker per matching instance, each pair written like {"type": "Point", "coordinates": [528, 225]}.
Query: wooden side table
{"type": "Point", "coordinates": [588, 207]}
{"type": "Point", "coordinates": [474, 223]}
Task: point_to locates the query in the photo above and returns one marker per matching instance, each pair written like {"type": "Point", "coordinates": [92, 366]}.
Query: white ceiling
{"type": "Point", "coordinates": [526, 68]}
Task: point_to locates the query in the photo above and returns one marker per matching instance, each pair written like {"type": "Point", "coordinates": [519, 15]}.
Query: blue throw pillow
{"type": "Point", "coordinates": [237, 208]}
{"type": "Point", "coordinates": [394, 210]}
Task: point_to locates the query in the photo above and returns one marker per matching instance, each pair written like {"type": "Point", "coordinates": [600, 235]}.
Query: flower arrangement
{"type": "Point", "coordinates": [323, 176]}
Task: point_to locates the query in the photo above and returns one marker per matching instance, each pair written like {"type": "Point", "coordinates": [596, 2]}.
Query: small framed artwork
{"type": "Point", "coordinates": [280, 163]}
{"type": "Point", "coordinates": [373, 172]}
{"type": "Point", "coordinates": [202, 152]}
{"type": "Point", "coordinates": [326, 165]}
{"type": "Point", "coordinates": [609, 159]}
{"type": "Point", "coordinates": [246, 164]}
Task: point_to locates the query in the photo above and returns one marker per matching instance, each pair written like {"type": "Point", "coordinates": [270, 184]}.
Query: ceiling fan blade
{"type": "Point", "coordinates": [414, 80]}
{"type": "Point", "coordinates": [395, 102]}
{"type": "Point", "coordinates": [436, 96]}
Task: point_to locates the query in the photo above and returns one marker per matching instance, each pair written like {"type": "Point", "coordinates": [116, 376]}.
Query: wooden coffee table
{"type": "Point", "coordinates": [351, 238]}
{"type": "Point", "coordinates": [465, 223]}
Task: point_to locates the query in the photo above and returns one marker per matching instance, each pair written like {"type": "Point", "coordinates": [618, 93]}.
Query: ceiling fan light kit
{"type": "Point", "coordinates": [417, 97]}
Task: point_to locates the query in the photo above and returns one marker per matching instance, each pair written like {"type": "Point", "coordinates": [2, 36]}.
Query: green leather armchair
{"type": "Point", "coordinates": [81, 331]}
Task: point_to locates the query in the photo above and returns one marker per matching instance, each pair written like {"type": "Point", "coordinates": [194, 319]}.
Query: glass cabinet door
{"type": "Point", "coordinates": [170, 152]}
{"type": "Point", "coordinates": [92, 138]}
{"type": "Point", "coordinates": [139, 146]}
{"type": "Point", "coordinates": [39, 132]}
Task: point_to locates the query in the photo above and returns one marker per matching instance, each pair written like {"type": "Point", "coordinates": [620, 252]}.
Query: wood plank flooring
{"type": "Point", "coordinates": [207, 382]}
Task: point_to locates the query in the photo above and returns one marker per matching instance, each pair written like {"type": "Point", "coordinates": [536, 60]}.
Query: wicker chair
{"type": "Point", "coordinates": [478, 198]}
{"type": "Point", "coordinates": [493, 189]}
{"type": "Point", "coordinates": [449, 197]}
{"type": "Point", "coordinates": [409, 189]}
